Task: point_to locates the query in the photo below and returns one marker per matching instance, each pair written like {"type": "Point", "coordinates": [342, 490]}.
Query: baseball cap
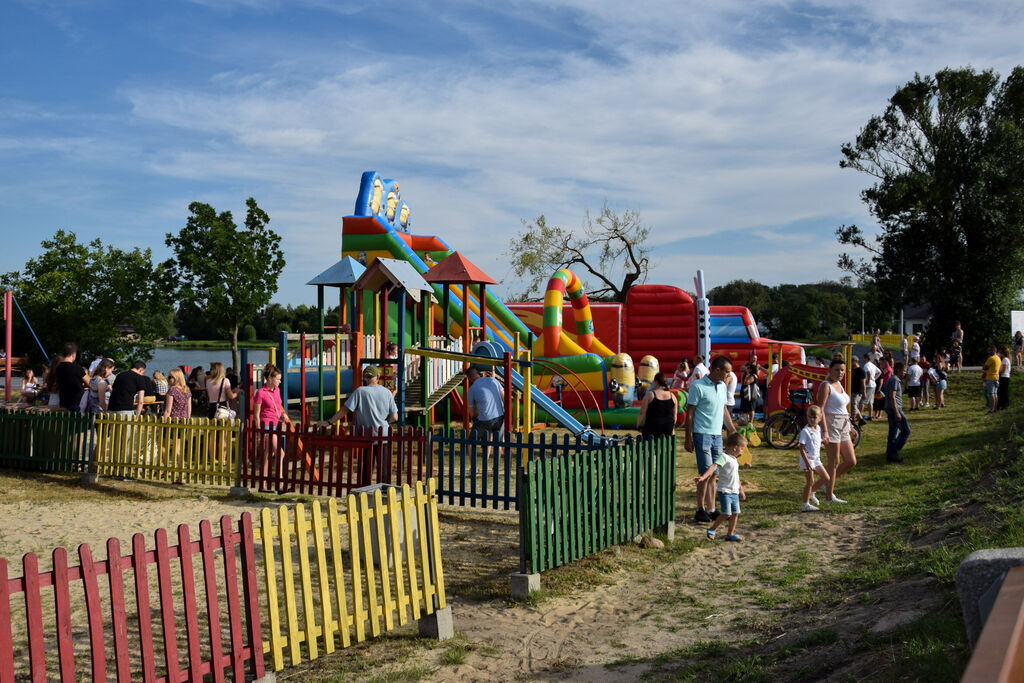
{"type": "Point", "coordinates": [371, 371]}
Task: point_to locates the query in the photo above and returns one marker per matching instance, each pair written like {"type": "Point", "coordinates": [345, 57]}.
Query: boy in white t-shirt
{"type": "Point", "coordinates": [810, 459]}
{"type": "Point", "coordinates": [730, 489]}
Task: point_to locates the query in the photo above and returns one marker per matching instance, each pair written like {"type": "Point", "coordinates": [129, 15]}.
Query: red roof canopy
{"type": "Point", "coordinates": [457, 269]}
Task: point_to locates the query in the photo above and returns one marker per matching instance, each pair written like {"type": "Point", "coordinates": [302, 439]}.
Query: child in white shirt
{"type": "Point", "coordinates": [810, 459]}
{"type": "Point", "coordinates": [730, 489]}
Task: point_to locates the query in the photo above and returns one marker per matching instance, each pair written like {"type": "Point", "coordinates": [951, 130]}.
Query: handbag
{"type": "Point", "coordinates": [220, 410]}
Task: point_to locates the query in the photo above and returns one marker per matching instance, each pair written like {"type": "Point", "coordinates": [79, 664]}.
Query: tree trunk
{"type": "Point", "coordinates": [234, 349]}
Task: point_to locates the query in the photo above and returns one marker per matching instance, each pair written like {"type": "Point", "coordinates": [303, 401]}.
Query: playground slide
{"type": "Point", "coordinates": [550, 407]}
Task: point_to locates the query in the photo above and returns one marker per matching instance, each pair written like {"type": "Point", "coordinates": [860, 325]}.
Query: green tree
{"type": "Point", "coordinates": [226, 272]}
{"type": "Point", "coordinates": [947, 156]}
{"type": "Point", "coordinates": [107, 300]}
{"type": "Point", "coordinates": [753, 295]}
{"type": "Point", "coordinates": [609, 255]}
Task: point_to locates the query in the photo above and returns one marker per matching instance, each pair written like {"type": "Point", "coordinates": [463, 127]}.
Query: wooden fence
{"type": "Point", "coordinates": [45, 441]}
{"type": "Point", "coordinates": [133, 644]}
{"type": "Point", "coordinates": [338, 597]}
{"type": "Point", "coordinates": [148, 447]}
{"type": "Point", "coordinates": [468, 474]}
{"type": "Point", "coordinates": [572, 505]}
{"type": "Point", "coordinates": [332, 463]}
{"type": "Point", "coordinates": [294, 588]}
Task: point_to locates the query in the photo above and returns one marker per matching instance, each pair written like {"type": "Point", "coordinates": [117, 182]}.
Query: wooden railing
{"type": "Point", "coordinates": [999, 655]}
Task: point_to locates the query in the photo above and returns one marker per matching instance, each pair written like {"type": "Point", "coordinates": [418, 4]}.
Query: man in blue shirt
{"type": "Point", "coordinates": [486, 403]}
{"type": "Point", "coordinates": [706, 412]}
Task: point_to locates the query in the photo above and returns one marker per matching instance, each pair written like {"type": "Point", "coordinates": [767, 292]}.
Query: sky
{"type": "Point", "coordinates": [721, 123]}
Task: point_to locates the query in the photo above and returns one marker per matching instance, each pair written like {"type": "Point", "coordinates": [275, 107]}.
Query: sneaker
{"type": "Point", "coordinates": [807, 507]}
{"type": "Point", "coordinates": [894, 458]}
{"type": "Point", "coordinates": [702, 517]}
{"type": "Point", "coordinates": [836, 499]}
{"type": "Point", "coordinates": [734, 537]}
{"type": "Point", "coordinates": [714, 515]}
{"type": "Point", "coordinates": [814, 500]}
{"type": "Point", "coordinates": [711, 534]}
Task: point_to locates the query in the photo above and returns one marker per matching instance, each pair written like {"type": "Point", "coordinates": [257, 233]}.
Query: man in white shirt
{"type": "Point", "coordinates": [699, 369]}
{"type": "Point", "coordinates": [871, 376]}
{"type": "Point", "coordinates": [914, 372]}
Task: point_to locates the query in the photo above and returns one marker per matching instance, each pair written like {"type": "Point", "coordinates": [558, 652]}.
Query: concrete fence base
{"type": "Point", "coordinates": [978, 579]}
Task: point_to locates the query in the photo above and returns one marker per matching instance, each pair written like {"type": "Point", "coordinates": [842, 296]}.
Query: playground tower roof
{"type": "Point", "coordinates": [342, 274]}
{"type": "Point", "coordinates": [384, 271]}
{"type": "Point", "coordinates": [457, 269]}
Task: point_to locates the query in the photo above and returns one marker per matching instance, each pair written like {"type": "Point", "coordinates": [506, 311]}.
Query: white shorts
{"type": "Point", "coordinates": [815, 463]}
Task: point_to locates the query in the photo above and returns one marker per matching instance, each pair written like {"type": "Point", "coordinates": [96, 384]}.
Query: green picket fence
{"type": "Point", "coordinates": [45, 441]}
{"type": "Point", "coordinates": [574, 505]}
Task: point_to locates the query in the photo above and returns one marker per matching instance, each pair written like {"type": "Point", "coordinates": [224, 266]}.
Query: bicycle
{"type": "Point", "coordinates": [783, 429]}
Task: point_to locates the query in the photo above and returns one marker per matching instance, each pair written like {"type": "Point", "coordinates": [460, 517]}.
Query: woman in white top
{"type": "Point", "coordinates": [1004, 378]}
{"type": "Point", "coordinates": [218, 389]}
{"type": "Point", "coordinates": [834, 403]}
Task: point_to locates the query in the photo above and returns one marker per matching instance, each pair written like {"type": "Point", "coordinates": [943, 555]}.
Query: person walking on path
{"type": "Point", "coordinates": [836, 435]}
{"type": "Point", "coordinates": [810, 459]}
{"type": "Point", "coordinates": [990, 377]}
{"type": "Point", "coordinates": [706, 414]}
{"type": "Point", "coordinates": [730, 488]}
{"type": "Point", "coordinates": [899, 428]}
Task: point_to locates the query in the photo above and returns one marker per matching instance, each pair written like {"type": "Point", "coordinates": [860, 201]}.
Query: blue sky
{"type": "Point", "coordinates": [720, 122]}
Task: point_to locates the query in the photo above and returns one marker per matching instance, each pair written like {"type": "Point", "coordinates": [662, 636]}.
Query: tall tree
{"type": "Point", "coordinates": [947, 156]}
{"type": "Point", "coordinates": [609, 254]}
{"type": "Point", "coordinates": [106, 299]}
{"type": "Point", "coordinates": [227, 272]}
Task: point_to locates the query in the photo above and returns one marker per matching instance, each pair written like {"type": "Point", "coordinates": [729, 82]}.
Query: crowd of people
{"type": "Point", "coordinates": [101, 388]}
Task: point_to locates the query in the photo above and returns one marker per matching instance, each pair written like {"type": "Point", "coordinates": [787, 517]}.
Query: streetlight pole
{"type": "Point", "coordinates": [862, 318]}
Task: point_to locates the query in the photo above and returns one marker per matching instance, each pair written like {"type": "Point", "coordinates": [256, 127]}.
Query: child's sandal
{"type": "Point", "coordinates": [711, 534]}
{"type": "Point", "coordinates": [734, 537]}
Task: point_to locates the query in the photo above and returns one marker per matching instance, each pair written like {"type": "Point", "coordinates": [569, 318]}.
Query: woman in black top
{"type": "Point", "coordinates": [658, 410]}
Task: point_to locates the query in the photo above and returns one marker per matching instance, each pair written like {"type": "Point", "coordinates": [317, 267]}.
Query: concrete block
{"type": "Point", "coordinates": [669, 530]}
{"type": "Point", "coordinates": [268, 677]}
{"type": "Point", "coordinates": [89, 478]}
{"type": "Point", "coordinates": [524, 584]}
{"type": "Point", "coordinates": [239, 491]}
{"type": "Point", "coordinates": [438, 626]}
{"type": "Point", "coordinates": [389, 555]}
{"type": "Point", "coordinates": [981, 572]}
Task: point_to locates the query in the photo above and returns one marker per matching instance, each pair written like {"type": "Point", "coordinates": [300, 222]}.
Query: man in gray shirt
{"type": "Point", "coordinates": [373, 405]}
{"type": "Point", "coordinates": [899, 429]}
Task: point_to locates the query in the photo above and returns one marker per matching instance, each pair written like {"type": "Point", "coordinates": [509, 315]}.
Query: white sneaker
{"type": "Point", "coordinates": [807, 507]}
{"type": "Point", "coordinates": [814, 500]}
{"type": "Point", "coordinates": [836, 499]}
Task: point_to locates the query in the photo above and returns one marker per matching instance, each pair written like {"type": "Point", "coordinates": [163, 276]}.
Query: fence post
{"type": "Point", "coordinates": [522, 583]}
{"type": "Point", "coordinates": [663, 450]}
{"type": "Point", "coordinates": [90, 476]}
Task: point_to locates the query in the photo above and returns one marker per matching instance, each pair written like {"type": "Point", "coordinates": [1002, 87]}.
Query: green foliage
{"type": "Point", "coordinates": [610, 247]}
{"type": "Point", "coordinates": [248, 333]}
{"type": "Point", "coordinates": [108, 300]}
{"type": "Point", "coordinates": [947, 155]}
{"type": "Point", "coordinates": [820, 311]}
{"type": "Point", "coordinates": [227, 273]}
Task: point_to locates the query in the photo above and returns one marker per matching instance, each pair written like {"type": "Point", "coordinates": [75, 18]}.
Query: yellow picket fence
{"type": "Point", "coordinates": [305, 618]}
{"type": "Point", "coordinates": [151, 448]}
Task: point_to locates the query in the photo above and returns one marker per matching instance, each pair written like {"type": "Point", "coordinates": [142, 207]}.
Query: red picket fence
{"type": "Point", "coordinates": [326, 463]}
{"type": "Point", "coordinates": [140, 647]}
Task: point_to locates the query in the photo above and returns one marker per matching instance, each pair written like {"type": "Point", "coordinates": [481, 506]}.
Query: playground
{"type": "Point", "coordinates": [566, 492]}
{"type": "Point", "coordinates": [860, 591]}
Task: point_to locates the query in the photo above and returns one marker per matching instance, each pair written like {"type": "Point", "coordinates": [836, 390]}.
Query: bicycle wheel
{"type": "Point", "coordinates": [855, 433]}
{"type": "Point", "coordinates": [781, 431]}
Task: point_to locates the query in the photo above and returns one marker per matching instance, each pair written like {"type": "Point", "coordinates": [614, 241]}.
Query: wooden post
{"type": "Point", "coordinates": [508, 391]}
{"type": "Point", "coordinates": [320, 352]}
{"type": "Point", "coordinates": [465, 349]}
{"type": "Point", "coordinates": [483, 312]}
{"type": "Point", "coordinates": [8, 348]}
{"type": "Point", "coordinates": [399, 374]}
{"type": "Point", "coordinates": [357, 341]}
{"type": "Point", "coordinates": [302, 380]}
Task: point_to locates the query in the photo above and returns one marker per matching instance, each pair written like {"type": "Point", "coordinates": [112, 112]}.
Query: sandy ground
{"type": "Point", "coordinates": [711, 593]}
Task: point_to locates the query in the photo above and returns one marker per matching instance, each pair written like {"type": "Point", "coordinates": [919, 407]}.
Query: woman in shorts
{"type": "Point", "coordinates": [836, 437]}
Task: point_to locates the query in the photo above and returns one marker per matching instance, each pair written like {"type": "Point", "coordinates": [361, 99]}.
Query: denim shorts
{"type": "Point", "coordinates": [728, 503]}
{"type": "Point", "coordinates": [991, 387]}
{"type": "Point", "coordinates": [706, 447]}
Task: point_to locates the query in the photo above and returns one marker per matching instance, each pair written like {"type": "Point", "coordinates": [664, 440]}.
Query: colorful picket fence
{"type": "Point", "coordinates": [45, 441]}
{"type": "Point", "coordinates": [298, 586]}
{"type": "Point", "coordinates": [151, 448]}
{"type": "Point", "coordinates": [189, 638]}
{"type": "Point", "coordinates": [337, 597]}
{"type": "Point", "coordinates": [330, 462]}
{"type": "Point", "coordinates": [576, 504]}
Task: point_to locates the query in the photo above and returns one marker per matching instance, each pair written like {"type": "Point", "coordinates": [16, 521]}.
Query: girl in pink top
{"type": "Point", "coordinates": [269, 410]}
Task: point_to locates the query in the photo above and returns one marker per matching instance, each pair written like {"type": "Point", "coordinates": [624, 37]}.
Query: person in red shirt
{"type": "Point", "coordinates": [269, 411]}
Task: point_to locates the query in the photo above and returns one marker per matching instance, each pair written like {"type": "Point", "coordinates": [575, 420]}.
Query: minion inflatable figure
{"type": "Point", "coordinates": [622, 385]}
{"type": "Point", "coordinates": [649, 367]}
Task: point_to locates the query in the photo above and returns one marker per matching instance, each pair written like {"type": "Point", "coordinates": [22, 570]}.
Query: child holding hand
{"type": "Point", "coordinates": [730, 490]}
{"type": "Point", "coordinates": [810, 459]}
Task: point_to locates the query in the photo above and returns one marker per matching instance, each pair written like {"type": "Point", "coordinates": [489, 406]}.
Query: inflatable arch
{"type": "Point", "coordinates": [561, 283]}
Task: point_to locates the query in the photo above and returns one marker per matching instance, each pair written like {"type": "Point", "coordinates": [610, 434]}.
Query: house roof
{"type": "Point", "coordinates": [343, 273]}
{"type": "Point", "coordinates": [457, 269]}
{"type": "Point", "coordinates": [384, 271]}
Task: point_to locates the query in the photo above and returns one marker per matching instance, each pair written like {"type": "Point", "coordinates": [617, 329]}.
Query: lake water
{"type": "Point", "coordinates": [166, 358]}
